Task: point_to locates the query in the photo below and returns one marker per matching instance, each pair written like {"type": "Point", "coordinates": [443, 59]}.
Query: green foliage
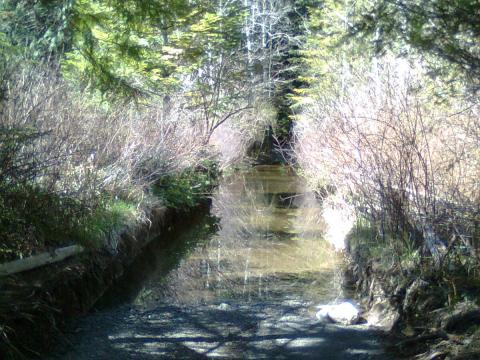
{"type": "Point", "coordinates": [389, 249]}
{"type": "Point", "coordinates": [8, 62]}
{"type": "Point", "coordinates": [288, 62]}
{"type": "Point", "coordinates": [216, 31]}
{"type": "Point", "coordinates": [18, 165]}
{"type": "Point", "coordinates": [445, 32]}
{"type": "Point", "coordinates": [32, 219]}
{"type": "Point", "coordinates": [138, 48]}
{"type": "Point", "coordinates": [119, 50]}
{"type": "Point", "coordinates": [328, 58]}
{"type": "Point", "coordinates": [346, 37]}
{"type": "Point", "coordinates": [185, 190]}
{"type": "Point", "coordinates": [104, 222]}
{"type": "Point", "coordinates": [42, 28]}
{"type": "Point", "coordinates": [124, 49]}
{"type": "Point", "coordinates": [118, 46]}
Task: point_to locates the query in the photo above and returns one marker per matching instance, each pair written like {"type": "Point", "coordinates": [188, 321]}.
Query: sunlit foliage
{"type": "Point", "coordinates": [446, 33]}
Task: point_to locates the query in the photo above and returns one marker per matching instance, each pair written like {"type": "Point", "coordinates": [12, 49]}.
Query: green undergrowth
{"type": "Point", "coordinates": [427, 295]}
{"type": "Point", "coordinates": [103, 222]}
{"type": "Point", "coordinates": [32, 303]}
{"type": "Point", "coordinates": [33, 220]}
{"type": "Point", "coordinates": [185, 190]}
{"type": "Point", "coordinates": [394, 257]}
{"type": "Point", "coordinates": [388, 249]}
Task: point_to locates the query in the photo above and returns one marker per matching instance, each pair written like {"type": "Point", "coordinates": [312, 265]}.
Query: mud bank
{"type": "Point", "coordinates": [425, 316]}
{"type": "Point", "coordinates": [45, 299]}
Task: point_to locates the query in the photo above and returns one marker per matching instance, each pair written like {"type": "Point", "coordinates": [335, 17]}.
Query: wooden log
{"type": "Point", "coordinates": [32, 262]}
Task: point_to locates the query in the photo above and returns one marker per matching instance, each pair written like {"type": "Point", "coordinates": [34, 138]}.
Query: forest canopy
{"type": "Point", "coordinates": [129, 48]}
{"type": "Point", "coordinates": [445, 29]}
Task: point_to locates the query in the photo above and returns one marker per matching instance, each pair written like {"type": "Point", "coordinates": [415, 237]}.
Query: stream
{"type": "Point", "coordinates": [240, 283]}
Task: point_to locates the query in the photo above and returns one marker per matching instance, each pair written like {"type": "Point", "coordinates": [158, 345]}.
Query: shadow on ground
{"type": "Point", "coordinates": [281, 330]}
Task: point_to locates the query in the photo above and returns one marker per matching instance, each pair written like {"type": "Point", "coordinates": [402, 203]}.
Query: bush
{"type": "Point", "coordinates": [64, 158]}
{"type": "Point", "coordinates": [185, 190]}
{"type": "Point", "coordinates": [409, 164]}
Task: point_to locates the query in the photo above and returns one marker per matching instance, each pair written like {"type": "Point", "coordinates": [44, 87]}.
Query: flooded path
{"type": "Point", "coordinates": [240, 284]}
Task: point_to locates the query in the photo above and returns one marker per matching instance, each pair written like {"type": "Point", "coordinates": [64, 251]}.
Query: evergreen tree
{"type": "Point", "coordinates": [445, 32]}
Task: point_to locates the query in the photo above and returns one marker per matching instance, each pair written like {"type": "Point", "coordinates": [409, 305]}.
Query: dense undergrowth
{"type": "Point", "coordinates": [72, 170]}
{"type": "Point", "coordinates": [397, 142]}
{"type": "Point", "coordinates": [389, 136]}
{"type": "Point", "coordinates": [101, 107]}
{"type": "Point", "coordinates": [404, 162]}
{"type": "Point", "coordinates": [109, 109]}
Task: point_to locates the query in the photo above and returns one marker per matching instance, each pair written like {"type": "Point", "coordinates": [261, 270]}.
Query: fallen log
{"type": "Point", "coordinates": [32, 262]}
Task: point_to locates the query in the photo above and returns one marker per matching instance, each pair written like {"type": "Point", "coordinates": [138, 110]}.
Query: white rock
{"type": "Point", "coordinates": [343, 313]}
{"type": "Point", "coordinates": [223, 306]}
{"type": "Point", "coordinates": [322, 314]}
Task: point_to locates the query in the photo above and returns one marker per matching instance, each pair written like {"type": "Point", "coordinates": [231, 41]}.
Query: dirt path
{"type": "Point", "coordinates": [266, 330]}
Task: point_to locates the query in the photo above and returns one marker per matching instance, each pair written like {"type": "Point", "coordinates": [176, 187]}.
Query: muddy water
{"type": "Point", "coordinates": [241, 283]}
{"type": "Point", "coordinates": [268, 245]}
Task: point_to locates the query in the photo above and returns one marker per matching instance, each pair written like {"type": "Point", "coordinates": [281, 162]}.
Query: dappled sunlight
{"type": "Point", "coordinates": [224, 167]}
{"type": "Point", "coordinates": [235, 332]}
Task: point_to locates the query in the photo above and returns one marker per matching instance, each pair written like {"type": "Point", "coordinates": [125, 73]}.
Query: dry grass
{"type": "Point", "coordinates": [408, 163]}
{"type": "Point", "coordinates": [78, 154]}
{"type": "Point", "coordinates": [234, 138]}
{"type": "Point", "coordinates": [80, 148]}
{"type": "Point", "coordinates": [63, 158]}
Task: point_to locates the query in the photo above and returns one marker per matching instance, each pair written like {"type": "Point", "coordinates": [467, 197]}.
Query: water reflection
{"type": "Point", "coordinates": [240, 289]}
{"type": "Point", "coordinates": [268, 245]}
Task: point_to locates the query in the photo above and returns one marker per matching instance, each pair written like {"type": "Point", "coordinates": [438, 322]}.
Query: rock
{"type": "Point", "coordinates": [323, 316]}
{"type": "Point", "coordinates": [461, 318]}
{"type": "Point", "coordinates": [383, 315]}
{"type": "Point", "coordinates": [415, 290]}
{"type": "Point", "coordinates": [344, 313]}
{"type": "Point", "coordinates": [224, 306]}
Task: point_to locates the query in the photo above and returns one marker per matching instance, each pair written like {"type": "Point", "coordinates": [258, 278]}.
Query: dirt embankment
{"type": "Point", "coordinates": [428, 315]}
{"type": "Point", "coordinates": [37, 304]}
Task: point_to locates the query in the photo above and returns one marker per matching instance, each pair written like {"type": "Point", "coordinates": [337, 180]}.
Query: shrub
{"type": "Point", "coordinates": [63, 158]}
{"type": "Point", "coordinates": [408, 164]}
